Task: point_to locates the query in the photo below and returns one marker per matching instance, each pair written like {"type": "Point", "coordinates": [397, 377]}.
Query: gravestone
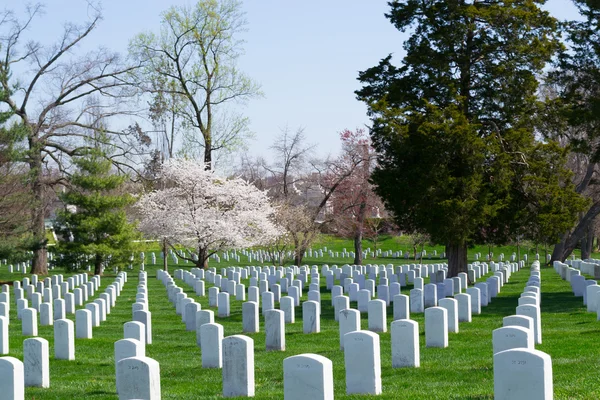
{"type": "Point", "coordinates": [349, 320]}
{"type": "Point", "coordinates": [139, 378]}
{"type": "Point", "coordinates": [36, 362]}
{"type": "Point", "coordinates": [211, 337]}
{"type": "Point", "coordinates": [12, 379]}
{"type": "Point", "coordinates": [4, 342]}
{"type": "Point", "coordinates": [83, 324]}
{"type": "Point", "coordinates": [362, 362]}
{"type": "Point", "coordinates": [523, 374]}
{"type": "Point", "coordinates": [64, 339]}
{"type": "Point", "coordinates": [416, 301]}
{"type": "Point", "coordinates": [250, 321]}
{"type": "Point", "coordinates": [307, 376]}
{"type": "Point", "coordinates": [223, 307]}
{"type": "Point", "coordinates": [377, 318]}
{"type": "Point", "coordinates": [533, 311]}
{"type": "Point", "coordinates": [464, 307]}
{"type": "Point", "coordinates": [311, 319]}
{"type": "Point", "coordinates": [519, 320]}
{"type": "Point", "coordinates": [274, 330]}
{"type": "Point", "coordinates": [405, 343]}
{"type": "Point", "coordinates": [29, 324]}
{"type": "Point", "coordinates": [145, 317]}
{"type": "Point", "coordinates": [451, 306]}
{"type": "Point", "coordinates": [430, 295]}
{"type": "Point", "coordinates": [401, 304]}
{"type": "Point", "coordinates": [238, 366]}
{"type": "Point", "coordinates": [203, 317]}
{"type": "Point", "coordinates": [135, 330]}
{"type": "Point", "coordinates": [475, 294]}
{"type": "Point", "coordinates": [287, 306]}
{"type": "Point", "coordinates": [126, 348]}
{"type": "Point", "coordinates": [511, 337]}
{"type": "Point", "coordinates": [436, 327]}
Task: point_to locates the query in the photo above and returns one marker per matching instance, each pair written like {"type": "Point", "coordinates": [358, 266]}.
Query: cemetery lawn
{"type": "Point", "coordinates": [464, 370]}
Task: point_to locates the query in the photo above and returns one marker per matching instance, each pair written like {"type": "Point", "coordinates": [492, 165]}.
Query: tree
{"type": "Point", "coordinates": [93, 225]}
{"type": "Point", "coordinates": [303, 188]}
{"type": "Point", "coordinates": [51, 101]}
{"type": "Point", "coordinates": [199, 210]}
{"type": "Point", "coordinates": [573, 118]}
{"type": "Point", "coordinates": [191, 64]}
{"type": "Point", "coordinates": [355, 201]}
{"type": "Point", "coordinates": [453, 126]}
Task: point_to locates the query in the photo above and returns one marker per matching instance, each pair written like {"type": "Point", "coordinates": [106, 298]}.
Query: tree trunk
{"type": "Point", "coordinates": [358, 234]}
{"type": "Point", "coordinates": [587, 242]}
{"type": "Point", "coordinates": [457, 258]}
{"type": "Point", "coordinates": [98, 265]}
{"type": "Point", "coordinates": [202, 258]}
{"type": "Point", "coordinates": [358, 257]}
{"type": "Point", "coordinates": [299, 255]}
{"type": "Point", "coordinates": [569, 241]}
{"type": "Point", "coordinates": [165, 261]}
{"type": "Point", "coordinates": [39, 263]}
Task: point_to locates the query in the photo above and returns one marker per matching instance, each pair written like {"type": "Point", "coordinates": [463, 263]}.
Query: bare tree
{"type": "Point", "coordinates": [51, 101]}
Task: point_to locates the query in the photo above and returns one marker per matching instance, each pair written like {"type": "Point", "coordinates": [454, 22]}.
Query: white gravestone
{"type": "Point", "coordinates": [523, 374]}
{"type": "Point", "coordinates": [307, 376]}
{"type": "Point", "coordinates": [464, 307]}
{"type": "Point", "coordinates": [4, 343]}
{"type": "Point", "coordinates": [203, 317]}
{"type": "Point", "coordinates": [511, 337]}
{"type": "Point", "coordinates": [36, 362]}
{"type": "Point", "coordinates": [451, 306]}
{"type": "Point", "coordinates": [238, 366]}
{"type": "Point", "coordinates": [275, 330]}
{"type": "Point", "coordinates": [83, 324]}
{"type": "Point", "coordinates": [349, 322]}
{"type": "Point", "coordinates": [211, 342]}
{"type": "Point", "coordinates": [533, 311]}
{"type": "Point", "coordinates": [135, 330]}
{"type": "Point", "coordinates": [64, 339]}
{"type": "Point", "coordinates": [436, 327]}
{"type": "Point", "coordinates": [311, 319]}
{"type": "Point", "coordinates": [377, 318]}
{"type": "Point", "coordinates": [145, 317]}
{"type": "Point", "coordinates": [250, 322]}
{"type": "Point", "coordinates": [12, 381]}
{"type": "Point", "coordinates": [362, 360]}
{"type": "Point", "coordinates": [29, 324]}
{"type": "Point", "coordinates": [139, 378]}
{"type": "Point", "coordinates": [126, 348]}
{"type": "Point", "coordinates": [405, 343]}
{"type": "Point", "coordinates": [401, 304]}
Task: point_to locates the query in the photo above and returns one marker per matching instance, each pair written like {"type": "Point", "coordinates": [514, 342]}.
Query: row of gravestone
{"type": "Point", "coordinates": [35, 366]}
{"type": "Point", "coordinates": [362, 351]}
{"type": "Point", "coordinates": [588, 289]}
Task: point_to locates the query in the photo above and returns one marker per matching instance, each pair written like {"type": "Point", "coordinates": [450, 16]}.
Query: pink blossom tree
{"type": "Point", "coordinates": [206, 213]}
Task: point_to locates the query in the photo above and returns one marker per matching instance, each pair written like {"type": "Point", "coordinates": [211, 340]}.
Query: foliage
{"type": "Point", "coordinates": [198, 209]}
{"type": "Point", "coordinates": [93, 225]}
{"type": "Point", "coordinates": [190, 70]}
{"type": "Point", "coordinates": [453, 126]}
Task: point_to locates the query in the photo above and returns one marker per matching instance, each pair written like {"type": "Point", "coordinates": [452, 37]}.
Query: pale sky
{"type": "Point", "coordinates": [306, 55]}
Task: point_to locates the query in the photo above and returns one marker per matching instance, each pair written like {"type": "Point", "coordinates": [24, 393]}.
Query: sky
{"type": "Point", "coordinates": [305, 54]}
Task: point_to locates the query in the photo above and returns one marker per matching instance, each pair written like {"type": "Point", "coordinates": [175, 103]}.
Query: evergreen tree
{"type": "Point", "coordinates": [454, 127]}
{"type": "Point", "coordinates": [93, 225]}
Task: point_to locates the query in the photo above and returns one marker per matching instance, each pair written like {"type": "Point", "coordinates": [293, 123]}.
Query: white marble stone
{"type": "Point", "coordinates": [307, 376]}
{"type": "Point", "coordinates": [401, 307]}
{"type": "Point", "coordinates": [436, 327]}
{"type": "Point", "coordinates": [533, 311]}
{"type": "Point", "coordinates": [475, 294]}
{"type": "Point", "coordinates": [416, 301]}
{"type": "Point", "coordinates": [83, 324]}
{"type": "Point", "coordinates": [349, 321]}
{"type": "Point", "coordinates": [238, 366]}
{"type": "Point", "coordinates": [451, 306]}
{"type": "Point", "coordinates": [464, 307]}
{"type": "Point", "coordinates": [29, 322]}
{"type": "Point", "coordinates": [145, 317]}
{"type": "Point", "coordinates": [224, 306]}
{"type": "Point", "coordinates": [4, 342]}
{"type": "Point", "coordinates": [250, 321]}
{"type": "Point", "coordinates": [405, 343]}
{"type": "Point", "coordinates": [287, 306]}
{"type": "Point", "coordinates": [362, 359]}
{"type": "Point", "coordinates": [64, 339]}
{"type": "Point", "coordinates": [135, 330]}
{"type": "Point", "coordinates": [523, 374]}
{"type": "Point", "coordinates": [275, 330]}
{"type": "Point", "coordinates": [139, 378]}
{"type": "Point", "coordinates": [311, 317]}
{"type": "Point", "coordinates": [36, 362]}
{"type": "Point", "coordinates": [377, 318]}
{"type": "Point", "coordinates": [12, 379]}
{"type": "Point", "coordinates": [211, 345]}
{"type": "Point", "coordinates": [511, 337]}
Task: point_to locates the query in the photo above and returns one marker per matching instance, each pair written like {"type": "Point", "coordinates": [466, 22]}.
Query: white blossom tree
{"type": "Point", "coordinates": [206, 213]}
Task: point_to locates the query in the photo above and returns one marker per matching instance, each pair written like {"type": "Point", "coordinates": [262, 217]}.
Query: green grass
{"type": "Point", "coordinates": [461, 371]}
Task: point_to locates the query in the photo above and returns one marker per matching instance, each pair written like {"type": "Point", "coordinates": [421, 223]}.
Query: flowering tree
{"type": "Point", "coordinates": [355, 201]}
{"type": "Point", "coordinates": [199, 210]}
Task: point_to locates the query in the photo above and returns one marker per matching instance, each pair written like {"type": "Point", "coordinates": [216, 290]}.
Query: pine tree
{"type": "Point", "coordinates": [454, 125]}
{"type": "Point", "coordinates": [93, 225]}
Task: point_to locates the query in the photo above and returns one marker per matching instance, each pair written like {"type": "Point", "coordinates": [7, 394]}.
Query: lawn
{"type": "Point", "coordinates": [461, 371]}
